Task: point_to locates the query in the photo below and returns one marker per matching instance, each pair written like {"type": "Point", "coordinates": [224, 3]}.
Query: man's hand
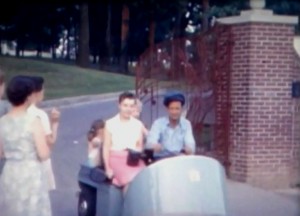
{"type": "Point", "coordinates": [187, 150]}
{"type": "Point", "coordinates": [157, 147]}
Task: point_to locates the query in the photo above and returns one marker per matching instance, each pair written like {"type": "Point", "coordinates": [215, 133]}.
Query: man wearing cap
{"type": "Point", "coordinates": [172, 135]}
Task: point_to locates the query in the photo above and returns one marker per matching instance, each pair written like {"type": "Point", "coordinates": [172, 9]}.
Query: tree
{"type": "Point", "coordinates": [83, 55]}
{"type": "Point", "coordinates": [109, 45]}
{"type": "Point", "coordinates": [124, 37]}
{"type": "Point", "coordinates": [205, 16]}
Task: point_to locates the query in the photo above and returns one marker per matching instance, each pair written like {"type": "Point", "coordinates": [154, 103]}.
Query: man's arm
{"type": "Point", "coordinates": [189, 140]}
{"type": "Point", "coordinates": [140, 141]}
{"type": "Point", "coordinates": [153, 136]}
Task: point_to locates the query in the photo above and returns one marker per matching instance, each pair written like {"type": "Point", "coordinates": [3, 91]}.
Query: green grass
{"type": "Point", "coordinates": [65, 80]}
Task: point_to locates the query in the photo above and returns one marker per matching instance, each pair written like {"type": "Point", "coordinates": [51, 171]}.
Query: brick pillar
{"type": "Point", "coordinates": [296, 122]}
{"type": "Point", "coordinates": [262, 137]}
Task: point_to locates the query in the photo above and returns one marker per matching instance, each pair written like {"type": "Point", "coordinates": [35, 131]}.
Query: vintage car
{"type": "Point", "coordinates": [176, 186]}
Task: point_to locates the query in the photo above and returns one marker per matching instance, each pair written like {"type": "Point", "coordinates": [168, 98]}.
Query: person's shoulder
{"type": "Point", "coordinates": [36, 111]}
{"type": "Point", "coordinates": [42, 114]}
{"type": "Point", "coordinates": [137, 121]}
{"type": "Point", "coordinates": [5, 103]}
{"type": "Point", "coordinates": [110, 120]}
{"type": "Point", "coordinates": [185, 122]}
{"type": "Point", "coordinates": [5, 106]}
{"type": "Point", "coordinates": [161, 120]}
{"type": "Point", "coordinates": [3, 118]}
{"type": "Point", "coordinates": [33, 119]}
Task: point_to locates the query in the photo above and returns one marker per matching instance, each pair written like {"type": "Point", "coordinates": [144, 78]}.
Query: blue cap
{"type": "Point", "coordinates": [174, 96]}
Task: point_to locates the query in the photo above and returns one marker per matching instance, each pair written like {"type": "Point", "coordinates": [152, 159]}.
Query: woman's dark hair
{"type": "Point", "coordinates": [126, 95]}
{"type": "Point", "coordinates": [38, 83]}
{"type": "Point", "coordinates": [18, 90]}
{"type": "Point", "coordinates": [96, 126]}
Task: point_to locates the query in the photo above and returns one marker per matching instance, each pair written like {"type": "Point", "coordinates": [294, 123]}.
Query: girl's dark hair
{"type": "Point", "coordinates": [96, 125]}
{"type": "Point", "coordinates": [18, 90]}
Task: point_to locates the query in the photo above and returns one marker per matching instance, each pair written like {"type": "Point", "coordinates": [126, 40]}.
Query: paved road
{"type": "Point", "coordinates": [71, 150]}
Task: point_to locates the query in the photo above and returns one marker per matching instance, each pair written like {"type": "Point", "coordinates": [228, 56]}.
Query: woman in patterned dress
{"type": "Point", "coordinates": [23, 144]}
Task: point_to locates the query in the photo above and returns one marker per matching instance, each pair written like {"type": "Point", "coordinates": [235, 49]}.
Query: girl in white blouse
{"type": "Point", "coordinates": [122, 132]}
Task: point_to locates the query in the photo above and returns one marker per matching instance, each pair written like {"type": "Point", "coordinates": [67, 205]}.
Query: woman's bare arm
{"type": "Point", "coordinates": [140, 142]}
{"type": "Point", "coordinates": [106, 148]}
{"type": "Point", "coordinates": [40, 142]}
{"type": "Point", "coordinates": [1, 150]}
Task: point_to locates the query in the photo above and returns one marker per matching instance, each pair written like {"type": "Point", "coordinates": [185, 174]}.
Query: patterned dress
{"type": "Point", "coordinates": [23, 187]}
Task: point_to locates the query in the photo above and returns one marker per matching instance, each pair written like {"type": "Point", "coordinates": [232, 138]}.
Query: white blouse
{"type": "Point", "coordinates": [124, 134]}
{"type": "Point", "coordinates": [45, 121]}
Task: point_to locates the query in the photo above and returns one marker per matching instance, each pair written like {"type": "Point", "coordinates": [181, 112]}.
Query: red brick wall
{"type": "Point", "coordinates": [262, 126]}
{"type": "Point", "coordinates": [239, 99]}
{"type": "Point", "coordinates": [296, 123]}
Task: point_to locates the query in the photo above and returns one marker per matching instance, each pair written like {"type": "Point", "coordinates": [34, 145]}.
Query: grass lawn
{"type": "Point", "coordinates": [65, 80]}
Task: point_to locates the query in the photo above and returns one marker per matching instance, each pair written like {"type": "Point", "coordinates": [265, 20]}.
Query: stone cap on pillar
{"type": "Point", "coordinates": [260, 15]}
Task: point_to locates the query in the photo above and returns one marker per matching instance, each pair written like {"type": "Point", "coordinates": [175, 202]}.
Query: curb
{"type": "Point", "coordinates": [73, 101]}
{"type": "Point", "coordinates": [70, 101]}
{"type": "Point", "coordinates": [290, 191]}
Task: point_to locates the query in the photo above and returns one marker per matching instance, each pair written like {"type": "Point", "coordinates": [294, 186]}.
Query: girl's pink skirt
{"type": "Point", "coordinates": [123, 174]}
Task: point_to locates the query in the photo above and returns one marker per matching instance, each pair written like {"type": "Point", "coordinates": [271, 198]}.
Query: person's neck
{"type": "Point", "coordinates": [35, 103]}
{"type": "Point", "coordinates": [173, 123]}
{"type": "Point", "coordinates": [124, 119]}
{"type": "Point", "coordinates": [19, 110]}
{"type": "Point", "coordinates": [32, 105]}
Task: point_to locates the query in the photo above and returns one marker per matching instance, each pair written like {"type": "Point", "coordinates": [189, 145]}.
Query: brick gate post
{"type": "Point", "coordinates": [263, 150]}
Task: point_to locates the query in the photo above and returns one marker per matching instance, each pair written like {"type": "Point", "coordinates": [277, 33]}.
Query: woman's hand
{"type": "Point", "coordinates": [54, 116]}
{"type": "Point", "coordinates": [109, 173]}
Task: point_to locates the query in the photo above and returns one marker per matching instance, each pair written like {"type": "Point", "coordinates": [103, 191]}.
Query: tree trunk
{"type": "Point", "coordinates": [68, 39]}
{"type": "Point", "coordinates": [109, 48]}
{"type": "Point", "coordinates": [83, 58]}
{"type": "Point", "coordinates": [205, 5]}
{"type": "Point", "coordinates": [53, 51]}
{"type": "Point", "coordinates": [18, 47]}
{"type": "Point", "coordinates": [76, 39]}
{"type": "Point", "coordinates": [94, 58]}
{"type": "Point", "coordinates": [124, 38]}
{"type": "Point", "coordinates": [151, 42]}
{"type": "Point", "coordinates": [39, 50]}
{"type": "Point", "coordinates": [152, 33]}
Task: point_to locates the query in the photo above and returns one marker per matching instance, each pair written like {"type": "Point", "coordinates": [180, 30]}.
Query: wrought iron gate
{"type": "Point", "coordinates": [199, 66]}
